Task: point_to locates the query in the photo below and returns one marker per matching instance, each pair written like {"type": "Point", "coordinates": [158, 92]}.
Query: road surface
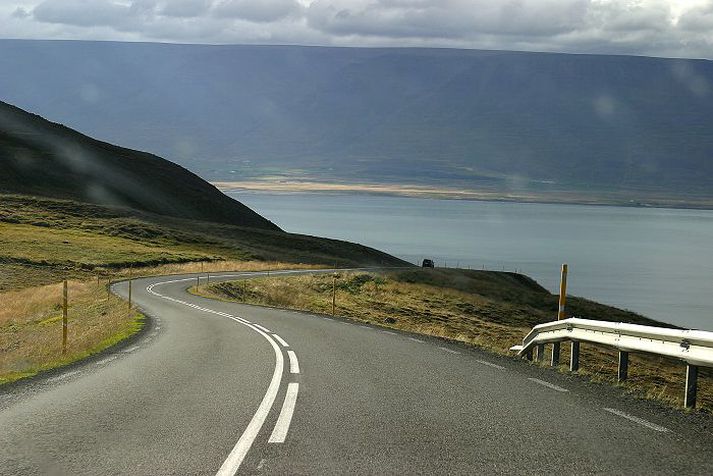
{"type": "Point", "coordinates": [218, 388]}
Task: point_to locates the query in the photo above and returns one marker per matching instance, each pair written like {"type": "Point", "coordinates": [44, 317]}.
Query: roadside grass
{"type": "Point", "coordinates": [82, 249]}
{"type": "Point", "coordinates": [31, 327]}
{"type": "Point", "coordinates": [490, 310]}
{"type": "Point", "coordinates": [209, 267]}
{"type": "Point", "coordinates": [43, 240]}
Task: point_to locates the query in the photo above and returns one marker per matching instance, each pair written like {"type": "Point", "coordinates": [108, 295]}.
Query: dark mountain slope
{"type": "Point", "coordinates": [38, 157]}
{"type": "Point", "coordinates": [476, 119]}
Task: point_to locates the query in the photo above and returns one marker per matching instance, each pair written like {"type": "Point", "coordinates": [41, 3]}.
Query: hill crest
{"type": "Point", "coordinates": [47, 159]}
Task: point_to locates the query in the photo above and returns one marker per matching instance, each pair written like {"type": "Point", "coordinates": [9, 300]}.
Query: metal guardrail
{"type": "Point", "coordinates": [693, 347]}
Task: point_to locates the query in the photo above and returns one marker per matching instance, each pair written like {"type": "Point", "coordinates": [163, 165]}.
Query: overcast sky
{"type": "Point", "coordinates": [677, 28]}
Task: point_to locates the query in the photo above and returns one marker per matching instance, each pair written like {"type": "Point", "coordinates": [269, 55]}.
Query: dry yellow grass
{"type": "Point", "coordinates": [31, 326]}
{"type": "Point", "coordinates": [468, 317]}
{"type": "Point", "coordinates": [207, 267]}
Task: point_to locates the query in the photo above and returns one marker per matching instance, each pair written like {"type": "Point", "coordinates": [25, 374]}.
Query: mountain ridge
{"type": "Point", "coordinates": [476, 119]}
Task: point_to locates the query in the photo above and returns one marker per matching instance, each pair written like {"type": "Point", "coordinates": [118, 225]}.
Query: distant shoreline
{"type": "Point", "coordinates": [618, 199]}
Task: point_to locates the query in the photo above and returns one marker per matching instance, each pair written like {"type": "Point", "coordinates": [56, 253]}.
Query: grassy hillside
{"type": "Point", "coordinates": [44, 240]}
{"type": "Point", "coordinates": [41, 158]}
{"type": "Point", "coordinates": [488, 309]}
{"type": "Point", "coordinates": [77, 209]}
{"type": "Point", "coordinates": [481, 120]}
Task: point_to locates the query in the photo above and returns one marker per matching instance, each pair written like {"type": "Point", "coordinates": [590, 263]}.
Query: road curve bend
{"type": "Point", "coordinates": [223, 388]}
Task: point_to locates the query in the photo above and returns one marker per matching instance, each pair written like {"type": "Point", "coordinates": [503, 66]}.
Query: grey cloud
{"type": "Point", "coordinates": [185, 8]}
{"type": "Point", "coordinates": [80, 12]}
{"type": "Point", "coordinates": [643, 27]}
{"type": "Point", "coordinates": [262, 11]}
{"type": "Point", "coordinates": [20, 12]}
{"type": "Point", "coordinates": [699, 19]}
{"type": "Point", "coordinates": [446, 18]}
{"type": "Point", "coordinates": [628, 17]}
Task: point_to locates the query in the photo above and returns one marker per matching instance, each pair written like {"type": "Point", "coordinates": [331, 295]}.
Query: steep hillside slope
{"type": "Point", "coordinates": [41, 158]}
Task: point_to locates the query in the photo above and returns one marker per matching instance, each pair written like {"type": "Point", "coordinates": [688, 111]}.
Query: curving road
{"type": "Point", "coordinates": [219, 388]}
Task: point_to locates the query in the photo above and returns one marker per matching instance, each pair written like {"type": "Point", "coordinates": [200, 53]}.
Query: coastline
{"type": "Point", "coordinates": [563, 197]}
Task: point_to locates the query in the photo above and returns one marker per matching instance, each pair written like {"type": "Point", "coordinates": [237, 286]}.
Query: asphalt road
{"type": "Point", "coordinates": [215, 387]}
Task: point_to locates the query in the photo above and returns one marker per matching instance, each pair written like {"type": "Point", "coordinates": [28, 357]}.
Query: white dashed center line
{"type": "Point", "coordinates": [283, 421]}
{"type": "Point", "coordinates": [294, 363]}
{"type": "Point", "coordinates": [280, 340]}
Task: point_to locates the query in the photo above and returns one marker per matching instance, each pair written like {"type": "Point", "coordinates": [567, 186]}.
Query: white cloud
{"type": "Point", "coordinates": [681, 28]}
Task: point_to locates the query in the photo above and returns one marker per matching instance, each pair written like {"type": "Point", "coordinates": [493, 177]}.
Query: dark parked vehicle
{"type": "Point", "coordinates": [428, 263]}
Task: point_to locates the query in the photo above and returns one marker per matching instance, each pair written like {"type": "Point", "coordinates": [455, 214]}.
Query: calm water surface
{"type": "Point", "coordinates": [658, 262]}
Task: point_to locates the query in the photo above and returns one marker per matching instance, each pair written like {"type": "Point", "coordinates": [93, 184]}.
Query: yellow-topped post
{"type": "Point", "coordinates": [334, 292]}
{"type": "Point", "coordinates": [64, 317]}
{"type": "Point", "coordinates": [561, 313]}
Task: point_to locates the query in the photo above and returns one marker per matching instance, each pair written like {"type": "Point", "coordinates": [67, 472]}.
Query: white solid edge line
{"type": "Point", "coordinates": [449, 350]}
{"type": "Point", "coordinates": [279, 433]}
{"type": "Point", "coordinates": [490, 364]}
{"type": "Point", "coordinates": [548, 384]}
{"type": "Point", "coordinates": [232, 463]}
{"type": "Point", "coordinates": [63, 376]}
{"type": "Point", "coordinates": [280, 340]}
{"type": "Point", "coordinates": [416, 340]}
{"type": "Point", "coordinates": [265, 329]}
{"type": "Point", "coordinates": [638, 420]}
{"type": "Point", "coordinates": [294, 363]}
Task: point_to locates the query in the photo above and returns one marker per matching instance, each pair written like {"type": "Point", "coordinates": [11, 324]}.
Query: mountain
{"type": "Point", "coordinates": [72, 206]}
{"type": "Point", "coordinates": [492, 120]}
{"type": "Point", "coordinates": [42, 158]}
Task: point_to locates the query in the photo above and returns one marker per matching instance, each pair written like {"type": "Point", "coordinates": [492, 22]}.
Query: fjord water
{"type": "Point", "coordinates": [658, 262]}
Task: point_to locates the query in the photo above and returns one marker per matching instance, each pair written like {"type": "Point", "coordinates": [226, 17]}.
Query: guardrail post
{"type": "Point", "coordinates": [689, 400]}
{"type": "Point", "coordinates": [555, 354]}
{"type": "Point", "coordinates": [574, 356]}
{"type": "Point", "coordinates": [540, 352]}
{"type": "Point", "coordinates": [623, 371]}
